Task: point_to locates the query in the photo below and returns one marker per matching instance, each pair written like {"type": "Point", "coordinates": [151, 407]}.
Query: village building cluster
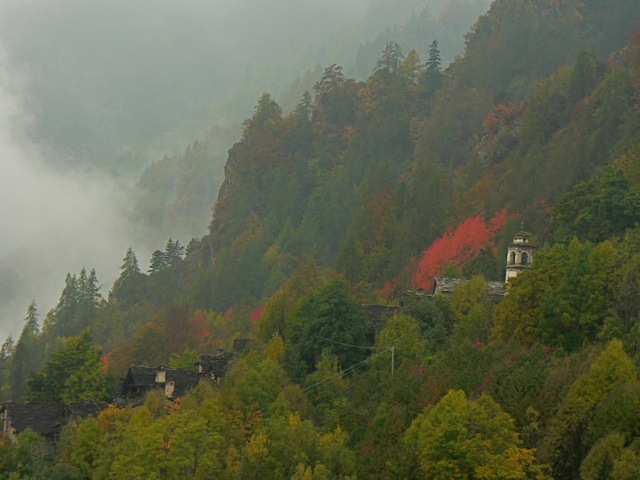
{"type": "Point", "coordinates": [48, 419]}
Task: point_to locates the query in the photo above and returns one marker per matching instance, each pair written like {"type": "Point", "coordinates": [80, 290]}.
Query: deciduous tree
{"type": "Point", "coordinates": [74, 373]}
{"type": "Point", "coordinates": [461, 438]}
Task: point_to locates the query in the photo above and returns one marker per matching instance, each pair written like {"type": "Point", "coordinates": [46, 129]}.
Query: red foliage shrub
{"type": "Point", "coordinates": [389, 288]}
{"type": "Point", "coordinates": [456, 246]}
{"type": "Point", "coordinates": [256, 315]}
{"type": "Point", "coordinates": [199, 325]}
{"type": "Point", "coordinates": [105, 361]}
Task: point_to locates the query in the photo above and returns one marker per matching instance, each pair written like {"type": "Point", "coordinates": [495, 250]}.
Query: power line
{"type": "Point", "coordinates": [363, 362]}
{"type": "Point", "coordinates": [349, 345]}
{"type": "Point", "coordinates": [345, 371]}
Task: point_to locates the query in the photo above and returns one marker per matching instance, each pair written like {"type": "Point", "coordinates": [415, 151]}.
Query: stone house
{"type": "Point", "coordinates": [46, 419]}
{"type": "Point", "coordinates": [174, 382]}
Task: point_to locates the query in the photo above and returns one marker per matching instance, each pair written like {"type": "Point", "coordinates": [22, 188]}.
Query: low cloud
{"type": "Point", "coordinates": [51, 221]}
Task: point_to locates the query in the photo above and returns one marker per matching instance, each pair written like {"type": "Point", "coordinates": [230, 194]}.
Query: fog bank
{"type": "Point", "coordinates": [51, 221]}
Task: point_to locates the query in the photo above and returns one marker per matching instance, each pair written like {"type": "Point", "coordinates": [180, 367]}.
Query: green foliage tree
{"type": "Point", "coordinates": [517, 382]}
{"type": "Point", "coordinates": [173, 252]}
{"type": "Point", "coordinates": [435, 318]}
{"type": "Point", "coordinates": [28, 458]}
{"type": "Point", "coordinates": [158, 261]}
{"type": "Point", "coordinates": [129, 287]}
{"type": "Point", "coordinates": [389, 398]}
{"type": "Point", "coordinates": [472, 307]}
{"type": "Point", "coordinates": [6, 352]}
{"type": "Point", "coordinates": [334, 109]}
{"type": "Point", "coordinates": [562, 301]}
{"type": "Point", "coordinates": [570, 434]}
{"type": "Point", "coordinates": [76, 308]}
{"type": "Point", "coordinates": [257, 384]}
{"type": "Point", "coordinates": [597, 209]}
{"type": "Point", "coordinates": [27, 355]}
{"type": "Point", "coordinates": [583, 77]}
{"type": "Point", "coordinates": [188, 360]}
{"type": "Point", "coordinates": [326, 388]}
{"type": "Point", "coordinates": [390, 62]}
{"type": "Point", "coordinates": [600, 460]}
{"type": "Point", "coordinates": [331, 320]}
{"type": "Point", "coordinates": [74, 373]}
{"type": "Point", "coordinates": [433, 78]}
{"type": "Point", "coordinates": [412, 67]}
{"type": "Point", "coordinates": [461, 438]}
{"type": "Point", "coordinates": [267, 114]}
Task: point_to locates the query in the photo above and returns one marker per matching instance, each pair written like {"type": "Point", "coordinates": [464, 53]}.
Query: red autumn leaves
{"type": "Point", "coordinates": [456, 246]}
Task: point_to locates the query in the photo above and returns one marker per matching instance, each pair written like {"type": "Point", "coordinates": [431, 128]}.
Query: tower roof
{"type": "Point", "coordinates": [522, 238]}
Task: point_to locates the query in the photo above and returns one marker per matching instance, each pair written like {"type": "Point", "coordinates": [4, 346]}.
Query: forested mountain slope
{"type": "Point", "coordinates": [362, 176]}
{"type": "Point", "coordinates": [159, 196]}
{"type": "Point", "coordinates": [363, 194]}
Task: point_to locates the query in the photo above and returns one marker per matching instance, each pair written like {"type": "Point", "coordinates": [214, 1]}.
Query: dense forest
{"type": "Point", "coordinates": [361, 195]}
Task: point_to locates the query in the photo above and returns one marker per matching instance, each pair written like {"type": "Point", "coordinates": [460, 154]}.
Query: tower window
{"type": "Point", "coordinates": [512, 257]}
{"type": "Point", "coordinates": [525, 258]}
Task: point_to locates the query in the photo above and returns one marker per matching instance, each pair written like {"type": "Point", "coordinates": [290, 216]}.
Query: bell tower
{"type": "Point", "coordinates": [519, 255]}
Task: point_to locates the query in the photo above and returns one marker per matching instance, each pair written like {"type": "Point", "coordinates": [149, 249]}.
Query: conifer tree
{"type": "Point", "coordinates": [391, 59]}
{"type": "Point", "coordinates": [7, 349]}
{"type": "Point", "coordinates": [60, 320]}
{"type": "Point", "coordinates": [434, 62]}
{"type": "Point", "coordinates": [130, 264]}
{"type": "Point", "coordinates": [76, 308]}
{"type": "Point", "coordinates": [31, 321]}
{"type": "Point", "coordinates": [158, 261]}
{"type": "Point", "coordinates": [127, 289]}
{"type": "Point", "coordinates": [267, 114]}
{"type": "Point", "coordinates": [93, 288]}
{"type": "Point", "coordinates": [303, 109]}
{"type": "Point", "coordinates": [433, 77]}
{"type": "Point", "coordinates": [27, 354]}
{"type": "Point", "coordinates": [6, 353]}
{"type": "Point", "coordinates": [173, 252]}
{"type": "Point", "coordinates": [331, 80]}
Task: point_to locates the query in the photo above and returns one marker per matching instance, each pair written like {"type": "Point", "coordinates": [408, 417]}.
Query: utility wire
{"type": "Point", "coordinates": [345, 371]}
{"type": "Point", "coordinates": [387, 348]}
{"type": "Point", "coordinates": [349, 345]}
{"type": "Point", "coordinates": [359, 364]}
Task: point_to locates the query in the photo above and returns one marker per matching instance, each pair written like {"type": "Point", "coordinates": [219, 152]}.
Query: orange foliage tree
{"type": "Point", "coordinates": [456, 246]}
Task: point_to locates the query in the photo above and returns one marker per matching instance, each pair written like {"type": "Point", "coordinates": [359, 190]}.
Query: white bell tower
{"type": "Point", "coordinates": [519, 255]}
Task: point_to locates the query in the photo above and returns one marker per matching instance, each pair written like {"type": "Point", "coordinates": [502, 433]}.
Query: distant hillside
{"type": "Point", "coordinates": [413, 24]}
{"type": "Point", "coordinates": [364, 175]}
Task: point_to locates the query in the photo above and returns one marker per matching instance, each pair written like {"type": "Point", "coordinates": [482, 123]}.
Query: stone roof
{"type": "Point", "coordinates": [496, 289]}
{"type": "Point", "coordinates": [144, 378]}
{"type": "Point", "coordinates": [83, 409]}
{"type": "Point", "coordinates": [240, 345]}
{"type": "Point", "coordinates": [175, 382]}
{"type": "Point", "coordinates": [43, 418]}
{"type": "Point", "coordinates": [446, 285]}
{"type": "Point", "coordinates": [216, 364]}
{"type": "Point", "coordinates": [141, 376]}
{"type": "Point", "coordinates": [47, 419]}
{"type": "Point", "coordinates": [184, 380]}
